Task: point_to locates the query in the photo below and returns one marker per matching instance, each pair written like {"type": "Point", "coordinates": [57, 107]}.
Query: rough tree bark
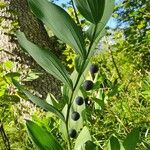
{"type": "Point", "coordinates": [35, 32]}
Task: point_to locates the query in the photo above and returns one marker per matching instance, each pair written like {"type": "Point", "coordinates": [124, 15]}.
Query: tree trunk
{"type": "Point", "coordinates": [18, 11]}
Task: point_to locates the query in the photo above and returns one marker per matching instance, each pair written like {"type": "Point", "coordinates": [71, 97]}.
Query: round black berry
{"type": "Point", "coordinates": [75, 116]}
{"type": "Point", "coordinates": [79, 100]}
{"type": "Point", "coordinates": [72, 133]}
{"type": "Point", "coordinates": [94, 68]}
{"type": "Point", "coordinates": [88, 85]}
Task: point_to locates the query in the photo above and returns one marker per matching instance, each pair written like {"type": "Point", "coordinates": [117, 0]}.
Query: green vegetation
{"type": "Point", "coordinates": [105, 98]}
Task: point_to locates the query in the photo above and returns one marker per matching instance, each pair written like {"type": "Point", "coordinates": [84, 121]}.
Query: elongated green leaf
{"type": "Point", "coordinates": [132, 139]}
{"type": "Point", "coordinates": [60, 23]}
{"type": "Point", "coordinates": [114, 143]}
{"type": "Point", "coordinates": [41, 137]}
{"type": "Point", "coordinates": [96, 32]}
{"type": "Point", "coordinates": [92, 10]}
{"type": "Point", "coordinates": [45, 59]}
{"type": "Point", "coordinates": [39, 101]}
{"type": "Point", "coordinates": [83, 137]}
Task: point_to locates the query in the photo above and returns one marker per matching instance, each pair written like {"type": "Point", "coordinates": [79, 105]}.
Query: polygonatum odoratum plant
{"type": "Point", "coordinates": [75, 86]}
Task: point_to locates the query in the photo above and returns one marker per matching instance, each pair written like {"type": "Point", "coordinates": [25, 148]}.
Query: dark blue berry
{"type": "Point", "coordinates": [75, 116]}
{"type": "Point", "coordinates": [79, 100]}
{"type": "Point", "coordinates": [88, 85]}
{"type": "Point", "coordinates": [72, 133]}
{"type": "Point", "coordinates": [94, 68]}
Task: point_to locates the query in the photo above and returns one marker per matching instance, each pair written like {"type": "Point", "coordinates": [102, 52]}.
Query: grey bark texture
{"type": "Point", "coordinates": [18, 10]}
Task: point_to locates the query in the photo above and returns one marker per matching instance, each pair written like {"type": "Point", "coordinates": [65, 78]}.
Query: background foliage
{"type": "Point", "coordinates": [124, 79]}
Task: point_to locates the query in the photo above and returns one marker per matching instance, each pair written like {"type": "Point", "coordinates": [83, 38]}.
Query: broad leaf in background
{"type": "Point", "coordinates": [82, 138]}
{"type": "Point", "coordinates": [41, 137]}
{"type": "Point", "coordinates": [39, 102]}
{"type": "Point", "coordinates": [92, 10]}
{"type": "Point", "coordinates": [46, 59]}
{"type": "Point", "coordinates": [97, 31]}
{"type": "Point", "coordinates": [132, 139]}
{"type": "Point", "coordinates": [113, 144]}
{"type": "Point", "coordinates": [50, 99]}
{"type": "Point", "coordinates": [62, 25]}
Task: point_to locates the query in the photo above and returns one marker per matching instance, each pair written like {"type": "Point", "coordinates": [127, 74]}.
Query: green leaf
{"type": "Point", "coordinates": [41, 137]}
{"type": "Point", "coordinates": [77, 64]}
{"type": "Point", "coordinates": [83, 137]}
{"type": "Point", "coordinates": [132, 139]}
{"type": "Point", "coordinates": [50, 99]}
{"type": "Point", "coordinates": [113, 144]}
{"type": "Point", "coordinates": [14, 75]}
{"type": "Point", "coordinates": [92, 10]}
{"type": "Point", "coordinates": [39, 102]}
{"type": "Point", "coordinates": [96, 32]}
{"type": "Point", "coordinates": [98, 29]}
{"type": "Point", "coordinates": [46, 59]}
{"type": "Point", "coordinates": [62, 25]}
{"type": "Point", "coordinates": [89, 145]}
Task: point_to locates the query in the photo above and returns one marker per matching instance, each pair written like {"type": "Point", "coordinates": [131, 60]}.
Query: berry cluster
{"type": "Point", "coordinates": [75, 116]}
{"type": "Point", "coordinates": [87, 85]}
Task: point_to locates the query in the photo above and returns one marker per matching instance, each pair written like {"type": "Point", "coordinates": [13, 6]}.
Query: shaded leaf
{"type": "Point", "coordinates": [132, 139]}
{"type": "Point", "coordinates": [89, 145]}
{"type": "Point", "coordinates": [46, 59]}
{"type": "Point", "coordinates": [96, 32]}
{"type": "Point", "coordinates": [41, 137]}
{"type": "Point", "coordinates": [62, 25]}
{"type": "Point", "coordinates": [113, 144]}
{"type": "Point", "coordinates": [92, 10]}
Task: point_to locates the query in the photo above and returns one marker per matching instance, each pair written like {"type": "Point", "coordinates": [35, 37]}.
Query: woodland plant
{"type": "Point", "coordinates": [71, 108]}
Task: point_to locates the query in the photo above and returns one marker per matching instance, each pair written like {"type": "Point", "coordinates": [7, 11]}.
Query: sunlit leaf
{"type": "Point", "coordinates": [50, 99]}
{"type": "Point", "coordinates": [82, 138]}
{"type": "Point", "coordinates": [113, 144]}
{"type": "Point", "coordinates": [41, 137]}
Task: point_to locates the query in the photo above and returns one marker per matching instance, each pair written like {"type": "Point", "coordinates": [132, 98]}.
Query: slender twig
{"type": "Point", "coordinates": [75, 12]}
{"type": "Point", "coordinates": [114, 62]}
{"type": "Point", "coordinates": [4, 137]}
{"type": "Point", "coordinates": [7, 52]}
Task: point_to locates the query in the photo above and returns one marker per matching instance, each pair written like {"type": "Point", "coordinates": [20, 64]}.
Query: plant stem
{"type": "Point", "coordinates": [4, 137]}
{"type": "Point", "coordinates": [114, 62]}
{"type": "Point", "coordinates": [68, 138]}
{"type": "Point", "coordinates": [115, 65]}
{"type": "Point", "coordinates": [75, 12]}
{"type": "Point", "coordinates": [75, 86]}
